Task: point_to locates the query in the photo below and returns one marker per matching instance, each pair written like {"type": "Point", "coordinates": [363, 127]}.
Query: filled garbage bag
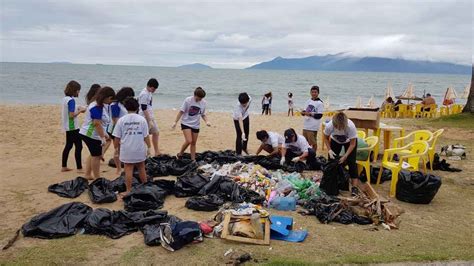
{"type": "Point", "coordinates": [101, 191]}
{"type": "Point", "coordinates": [175, 235]}
{"type": "Point", "coordinates": [70, 189]}
{"type": "Point", "coordinates": [442, 165]}
{"type": "Point", "coordinates": [189, 184]}
{"type": "Point", "coordinates": [158, 166]}
{"type": "Point", "coordinates": [214, 185]}
{"type": "Point", "coordinates": [118, 184]}
{"type": "Point", "coordinates": [151, 234]}
{"type": "Point", "coordinates": [334, 178]}
{"type": "Point", "coordinates": [374, 173]}
{"type": "Point", "coordinates": [180, 166]}
{"type": "Point", "coordinates": [115, 224]}
{"type": "Point", "coordinates": [209, 202]}
{"type": "Point", "coordinates": [148, 196]}
{"type": "Point", "coordinates": [415, 187]}
{"type": "Point", "coordinates": [62, 221]}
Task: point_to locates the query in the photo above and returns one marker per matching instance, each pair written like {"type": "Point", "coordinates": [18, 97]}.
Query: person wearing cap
{"type": "Point", "coordinates": [312, 117]}
{"type": "Point", "coordinates": [297, 149]}
{"type": "Point", "coordinates": [272, 142]}
{"type": "Point", "coordinates": [240, 115]}
{"type": "Point", "coordinates": [341, 132]}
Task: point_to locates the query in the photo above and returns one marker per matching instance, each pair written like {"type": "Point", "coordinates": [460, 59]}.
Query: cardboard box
{"type": "Point", "coordinates": [364, 117]}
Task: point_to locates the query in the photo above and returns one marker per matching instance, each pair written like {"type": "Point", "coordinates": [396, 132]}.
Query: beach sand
{"type": "Point", "coordinates": [30, 152]}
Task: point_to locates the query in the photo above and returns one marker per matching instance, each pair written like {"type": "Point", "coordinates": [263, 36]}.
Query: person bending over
{"type": "Point", "coordinates": [242, 121]}
{"type": "Point", "coordinates": [297, 149]}
{"type": "Point", "coordinates": [272, 143]}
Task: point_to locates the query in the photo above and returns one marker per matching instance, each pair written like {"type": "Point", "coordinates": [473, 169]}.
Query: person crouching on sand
{"type": "Point", "coordinates": [190, 113]}
{"type": "Point", "coordinates": [297, 149]}
{"type": "Point", "coordinates": [93, 130]}
{"type": "Point", "coordinates": [131, 135]}
{"type": "Point", "coordinates": [240, 115]}
{"type": "Point", "coordinates": [272, 142]}
{"type": "Point", "coordinates": [71, 125]}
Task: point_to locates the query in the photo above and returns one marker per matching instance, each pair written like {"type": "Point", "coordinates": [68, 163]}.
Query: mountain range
{"type": "Point", "coordinates": [195, 66]}
{"type": "Point", "coordinates": [342, 62]}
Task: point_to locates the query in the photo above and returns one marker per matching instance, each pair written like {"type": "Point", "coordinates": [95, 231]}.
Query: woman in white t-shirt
{"type": "Point", "coordinates": [341, 132]}
{"type": "Point", "coordinates": [71, 124]}
{"type": "Point", "coordinates": [118, 110]}
{"type": "Point", "coordinates": [93, 130]}
{"type": "Point", "coordinates": [190, 113]}
{"type": "Point", "coordinates": [266, 103]}
{"type": "Point", "coordinates": [131, 142]}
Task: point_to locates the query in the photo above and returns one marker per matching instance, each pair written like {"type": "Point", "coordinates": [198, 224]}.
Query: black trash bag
{"type": "Point", "coordinates": [62, 221]}
{"type": "Point", "coordinates": [113, 224]}
{"type": "Point", "coordinates": [167, 185]}
{"type": "Point", "coordinates": [175, 235]}
{"type": "Point", "coordinates": [71, 188]}
{"type": "Point", "coordinates": [333, 177]}
{"type": "Point", "coordinates": [206, 203]}
{"type": "Point", "coordinates": [181, 166]}
{"type": "Point", "coordinates": [213, 186]}
{"type": "Point", "coordinates": [148, 196]}
{"type": "Point", "coordinates": [101, 191]}
{"type": "Point", "coordinates": [151, 234]}
{"type": "Point", "coordinates": [374, 173]}
{"type": "Point", "coordinates": [190, 184]}
{"type": "Point", "coordinates": [158, 166]}
{"type": "Point", "coordinates": [442, 165]}
{"type": "Point", "coordinates": [118, 184]}
{"type": "Point", "coordinates": [415, 187]}
{"type": "Point", "coordinates": [142, 218]}
{"type": "Point", "coordinates": [248, 195]}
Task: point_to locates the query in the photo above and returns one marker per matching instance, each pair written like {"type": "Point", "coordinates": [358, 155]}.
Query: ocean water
{"type": "Point", "coordinates": [33, 83]}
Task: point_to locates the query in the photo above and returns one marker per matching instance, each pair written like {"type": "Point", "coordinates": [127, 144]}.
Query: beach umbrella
{"type": "Point", "coordinates": [371, 102]}
{"type": "Point", "coordinates": [465, 93]}
{"type": "Point", "coordinates": [409, 94]}
{"type": "Point", "coordinates": [358, 102]}
{"type": "Point", "coordinates": [450, 94]}
{"type": "Point", "coordinates": [389, 92]}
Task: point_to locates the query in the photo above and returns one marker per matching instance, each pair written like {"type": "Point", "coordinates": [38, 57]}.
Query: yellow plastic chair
{"type": "Point", "coordinates": [443, 111]}
{"type": "Point", "coordinates": [425, 135]}
{"type": "Point", "coordinates": [361, 165]}
{"type": "Point", "coordinates": [361, 134]}
{"type": "Point", "coordinates": [418, 150]}
{"type": "Point", "coordinates": [418, 112]}
{"type": "Point", "coordinates": [456, 109]}
{"type": "Point", "coordinates": [387, 112]}
{"type": "Point", "coordinates": [402, 111]}
{"type": "Point", "coordinates": [432, 112]}
{"type": "Point", "coordinates": [431, 149]}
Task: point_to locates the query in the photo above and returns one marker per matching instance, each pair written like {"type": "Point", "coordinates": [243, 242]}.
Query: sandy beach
{"type": "Point", "coordinates": [30, 152]}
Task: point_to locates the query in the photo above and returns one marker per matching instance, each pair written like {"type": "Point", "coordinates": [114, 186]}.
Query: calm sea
{"type": "Point", "coordinates": [32, 83]}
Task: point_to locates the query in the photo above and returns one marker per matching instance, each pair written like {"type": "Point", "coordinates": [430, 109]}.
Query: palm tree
{"type": "Point", "coordinates": [469, 108]}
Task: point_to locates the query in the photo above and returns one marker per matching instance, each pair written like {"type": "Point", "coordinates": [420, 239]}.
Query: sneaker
{"type": "Point", "coordinates": [354, 191]}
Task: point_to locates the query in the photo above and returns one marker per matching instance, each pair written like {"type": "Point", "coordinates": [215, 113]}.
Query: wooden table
{"type": "Point", "coordinates": [387, 134]}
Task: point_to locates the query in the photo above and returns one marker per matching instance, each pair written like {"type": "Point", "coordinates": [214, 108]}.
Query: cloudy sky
{"type": "Point", "coordinates": [232, 34]}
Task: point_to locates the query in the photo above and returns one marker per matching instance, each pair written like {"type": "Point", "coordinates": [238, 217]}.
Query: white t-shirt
{"type": "Point", "coordinates": [132, 129]}
{"type": "Point", "coordinates": [299, 146]}
{"type": "Point", "coordinates": [192, 112]}
{"type": "Point", "coordinates": [94, 112]}
{"type": "Point", "coordinates": [266, 100]}
{"type": "Point", "coordinates": [341, 136]}
{"type": "Point", "coordinates": [290, 102]}
{"type": "Point", "coordinates": [274, 139]}
{"type": "Point", "coordinates": [314, 107]}
{"type": "Point", "coordinates": [146, 97]}
{"type": "Point", "coordinates": [69, 105]}
{"type": "Point", "coordinates": [117, 110]}
{"type": "Point", "coordinates": [240, 111]}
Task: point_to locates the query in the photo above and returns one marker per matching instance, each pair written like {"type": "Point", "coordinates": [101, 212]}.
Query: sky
{"type": "Point", "coordinates": [232, 34]}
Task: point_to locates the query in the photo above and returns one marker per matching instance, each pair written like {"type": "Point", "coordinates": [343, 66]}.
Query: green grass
{"type": "Point", "coordinates": [71, 250]}
{"type": "Point", "coordinates": [132, 254]}
{"type": "Point", "coordinates": [465, 120]}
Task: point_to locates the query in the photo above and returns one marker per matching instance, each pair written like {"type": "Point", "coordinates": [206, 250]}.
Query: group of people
{"type": "Point", "coordinates": [427, 102]}
{"type": "Point", "coordinates": [127, 122]}
{"type": "Point", "coordinates": [267, 103]}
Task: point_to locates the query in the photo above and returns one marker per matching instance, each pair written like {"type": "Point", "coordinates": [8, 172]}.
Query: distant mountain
{"type": "Point", "coordinates": [61, 62]}
{"type": "Point", "coordinates": [341, 62]}
{"type": "Point", "coordinates": [195, 66]}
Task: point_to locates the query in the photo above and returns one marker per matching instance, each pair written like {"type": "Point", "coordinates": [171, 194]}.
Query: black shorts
{"type": "Point", "coordinates": [194, 130]}
{"type": "Point", "coordinates": [94, 146]}
{"type": "Point", "coordinates": [112, 137]}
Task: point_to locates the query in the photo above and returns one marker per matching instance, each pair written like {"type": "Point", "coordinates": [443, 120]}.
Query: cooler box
{"type": "Point", "coordinates": [364, 117]}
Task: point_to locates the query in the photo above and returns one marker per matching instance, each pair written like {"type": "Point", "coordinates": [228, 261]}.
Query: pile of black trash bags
{"type": "Point", "coordinates": [416, 187]}
{"type": "Point", "coordinates": [442, 165]}
{"type": "Point", "coordinates": [158, 227]}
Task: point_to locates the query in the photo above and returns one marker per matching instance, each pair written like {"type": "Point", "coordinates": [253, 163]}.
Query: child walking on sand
{"type": "Point", "coordinates": [131, 135]}
{"type": "Point", "coordinates": [290, 103]}
{"type": "Point", "coordinates": [192, 109]}
{"type": "Point", "coordinates": [71, 125]}
{"type": "Point", "coordinates": [93, 130]}
{"type": "Point", "coordinates": [118, 110]}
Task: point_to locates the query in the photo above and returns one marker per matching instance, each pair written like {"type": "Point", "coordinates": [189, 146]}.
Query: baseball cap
{"type": "Point", "coordinates": [289, 133]}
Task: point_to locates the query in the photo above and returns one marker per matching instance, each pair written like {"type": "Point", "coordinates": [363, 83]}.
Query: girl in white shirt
{"type": "Point", "coordinates": [71, 125]}
{"type": "Point", "coordinates": [192, 109]}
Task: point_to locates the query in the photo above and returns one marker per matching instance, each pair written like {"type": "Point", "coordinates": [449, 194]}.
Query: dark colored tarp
{"type": "Point", "coordinates": [442, 165]}
{"type": "Point", "coordinates": [148, 196]}
{"type": "Point", "coordinates": [334, 178]}
{"type": "Point", "coordinates": [70, 189]}
{"type": "Point", "coordinates": [415, 187]}
{"type": "Point", "coordinates": [329, 209]}
{"type": "Point", "coordinates": [116, 224]}
{"type": "Point", "coordinates": [101, 191]}
{"type": "Point", "coordinates": [209, 202]}
{"type": "Point", "coordinates": [62, 221]}
{"type": "Point", "coordinates": [189, 184]}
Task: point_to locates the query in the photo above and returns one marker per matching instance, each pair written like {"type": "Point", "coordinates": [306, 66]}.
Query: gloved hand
{"type": "Point", "coordinates": [296, 159]}
{"type": "Point", "coordinates": [243, 137]}
{"type": "Point", "coordinates": [332, 154]}
{"type": "Point", "coordinates": [208, 124]}
{"type": "Point", "coordinates": [282, 161]}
